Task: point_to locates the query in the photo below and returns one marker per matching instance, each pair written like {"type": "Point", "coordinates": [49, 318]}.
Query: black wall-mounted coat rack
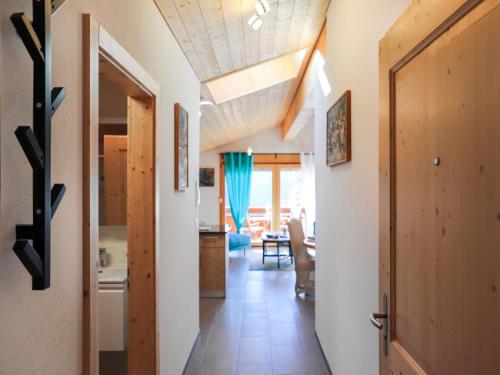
{"type": "Point", "coordinates": [33, 241]}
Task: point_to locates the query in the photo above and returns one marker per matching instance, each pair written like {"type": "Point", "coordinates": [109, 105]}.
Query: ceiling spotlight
{"type": "Point", "coordinates": [255, 22]}
{"type": "Point", "coordinates": [262, 7]}
{"type": "Point", "coordinates": [205, 102]}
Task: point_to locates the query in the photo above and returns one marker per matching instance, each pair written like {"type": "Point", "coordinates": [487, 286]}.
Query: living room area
{"type": "Point", "coordinates": [254, 187]}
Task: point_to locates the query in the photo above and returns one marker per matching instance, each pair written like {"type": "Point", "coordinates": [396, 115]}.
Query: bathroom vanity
{"type": "Point", "coordinates": [113, 308]}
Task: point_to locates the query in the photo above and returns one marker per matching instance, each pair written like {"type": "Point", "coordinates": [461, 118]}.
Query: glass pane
{"type": "Point", "coordinates": [291, 204]}
{"type": "Point", "coordinates": [259, 218]}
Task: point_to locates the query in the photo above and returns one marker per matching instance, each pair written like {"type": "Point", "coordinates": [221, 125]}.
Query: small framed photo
{"type": "Point", "coordinates": [338, 131]}
{"type": "Point", "coordinates": [181, 168]}
{"type": "Point", "coordinates": [207, 177]}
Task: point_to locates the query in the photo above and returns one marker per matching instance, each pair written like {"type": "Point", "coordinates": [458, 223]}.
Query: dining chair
{"type": "Point", "coordinates": [304, 262]}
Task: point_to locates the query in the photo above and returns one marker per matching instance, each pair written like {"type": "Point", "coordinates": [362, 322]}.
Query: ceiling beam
{"type": "Point", "coordinates": [299, 111]}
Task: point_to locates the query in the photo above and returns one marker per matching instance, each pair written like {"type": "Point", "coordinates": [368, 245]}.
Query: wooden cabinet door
{"type": "Point", "coordinates": [441, 268]}
{"type": "Point", "coordinates": [212, 268]}
{"type": "Point", "coordinates": [115, 180]}
{"type": "Point", "coordinates": [214, 264]}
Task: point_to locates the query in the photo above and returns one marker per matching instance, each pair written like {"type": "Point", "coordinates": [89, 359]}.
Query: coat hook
{"type": "Point", "coordinates": [32, 245]}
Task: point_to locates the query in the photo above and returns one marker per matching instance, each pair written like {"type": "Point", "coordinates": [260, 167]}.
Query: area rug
{"type": "Point", "coordinates": [271, 264]}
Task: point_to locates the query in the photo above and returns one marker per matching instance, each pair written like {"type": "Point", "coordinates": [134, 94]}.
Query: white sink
{"type": "Point", "coordinates": [113, 275]}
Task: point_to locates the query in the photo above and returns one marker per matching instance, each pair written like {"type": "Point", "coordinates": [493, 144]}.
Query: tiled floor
{"type": "Point", "coordinates": [261, 328]}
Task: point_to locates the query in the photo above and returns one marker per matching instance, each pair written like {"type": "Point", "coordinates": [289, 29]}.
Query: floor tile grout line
{"type": "Point", "coordinates": [299, 308]}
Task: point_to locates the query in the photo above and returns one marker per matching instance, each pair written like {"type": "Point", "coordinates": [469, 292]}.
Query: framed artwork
{"type": "Point", "coordinates": [207, 177]}
{"type": "Point", "coordinates": [181, 168]}
{"type": "Point", "coordinates": [338, 131]}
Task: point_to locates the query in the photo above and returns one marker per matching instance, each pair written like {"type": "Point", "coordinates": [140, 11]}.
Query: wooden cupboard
{"type": "Point", "coordinates": [214, 249]}
{"type": "Point", "coordinates": [114, 181]}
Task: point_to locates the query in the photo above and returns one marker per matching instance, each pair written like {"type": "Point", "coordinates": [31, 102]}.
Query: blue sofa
{"type": "Point", "coordinates": [239, 241]}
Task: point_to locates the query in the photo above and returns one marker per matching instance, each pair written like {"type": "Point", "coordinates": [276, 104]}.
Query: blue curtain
{"type": "Point", "coordinates": [239, 167]}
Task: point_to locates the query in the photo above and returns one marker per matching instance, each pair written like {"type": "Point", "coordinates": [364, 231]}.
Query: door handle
{"type": "Point", "coordinates": [375, 320]}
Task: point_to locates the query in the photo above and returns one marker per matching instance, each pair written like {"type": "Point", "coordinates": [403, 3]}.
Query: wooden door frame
{"type": "Point", "coordinates": [420, 25]}
{"type": "Point", "coordinates": [103, 54]}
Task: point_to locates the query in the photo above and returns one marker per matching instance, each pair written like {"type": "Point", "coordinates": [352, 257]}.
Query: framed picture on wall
{"type": "Point", "coordinates": [338, 131]}
{"type": "Point", "coordinates": [181, 136]}
{"type": "Point", "coordinates": [207, 177]}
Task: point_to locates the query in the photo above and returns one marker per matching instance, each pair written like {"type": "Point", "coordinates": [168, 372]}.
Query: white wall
{"type": "Point", "coordinates": [114, 239]}
{"type": "Point", "coordinates": [41, 332]}
{"type": "Point", "coordinates": [209, 196]}
{"type": "Point", "coordinates": [269, 141]}
{"type": "Point", "coordinates": [347, 195]}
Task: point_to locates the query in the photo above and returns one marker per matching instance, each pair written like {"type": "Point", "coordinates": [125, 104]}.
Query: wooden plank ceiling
{"type": "Point", "coordinates": [217, 40]}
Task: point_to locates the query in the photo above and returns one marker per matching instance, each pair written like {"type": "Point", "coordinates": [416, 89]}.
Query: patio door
{"type": "Point", "coordinates": [289, 195]}
{"type": "Point", "coordinates": [275, 196]}
{"type": "Point", "coordinates": [261, 209]}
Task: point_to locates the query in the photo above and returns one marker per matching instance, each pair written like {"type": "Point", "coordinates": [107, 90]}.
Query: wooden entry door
{"type": "Point", "coordinates": [440, 198]}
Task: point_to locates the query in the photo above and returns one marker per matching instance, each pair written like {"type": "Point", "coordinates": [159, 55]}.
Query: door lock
{"type": "Point", "coordinates": [379, 320]}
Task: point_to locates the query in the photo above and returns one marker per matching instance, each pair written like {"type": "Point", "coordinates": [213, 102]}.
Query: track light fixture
{"type": "Point", "coordinates": [255, 22]}
{"type": "Point", "coordinates": [261, 7]}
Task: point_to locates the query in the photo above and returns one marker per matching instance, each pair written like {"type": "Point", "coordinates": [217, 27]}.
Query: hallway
{"type": "Point", "coordinates": [261, 328]}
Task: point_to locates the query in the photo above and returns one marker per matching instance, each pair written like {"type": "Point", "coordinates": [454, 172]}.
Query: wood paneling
{"type": "Point", "coordinates": [142, 327]}
{"type": "Point", "coordinates": [217, 40]}
{"type": "Point", "coordinates": [232, 120]}
{"type": "Point", "coordinates": [115, 180]}
{"type": "Point", "coordinates": [107, 129]}
{"type": "Point", "coordinates": [292, 159]}
{"type": "Point", "coordinates": [439, 224]}
{"type": "Point", "coordinates": [301, 108]}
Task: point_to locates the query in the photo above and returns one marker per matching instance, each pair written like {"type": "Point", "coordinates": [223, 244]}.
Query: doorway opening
{"type": "Point", "coordinates": [113, 249]}
{"type": "Point", "coordinates": [119, 205]}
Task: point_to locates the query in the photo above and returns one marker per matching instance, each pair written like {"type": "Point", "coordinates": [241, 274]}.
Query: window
{"type": "Point", "coordinates": [275, 197]}
{"type": "Point", "coordinates": [290, 187]}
